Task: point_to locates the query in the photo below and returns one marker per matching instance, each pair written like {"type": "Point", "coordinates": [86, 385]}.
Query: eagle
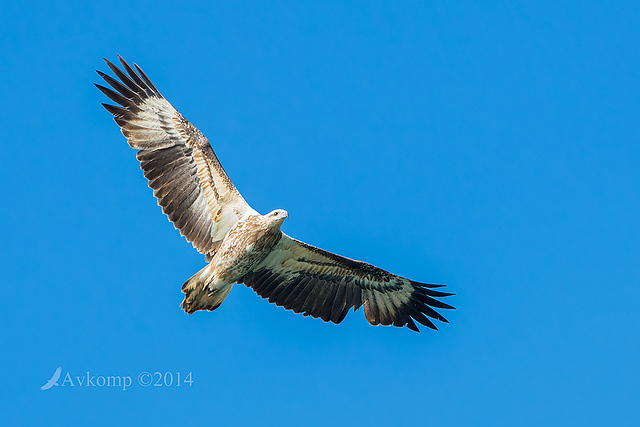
{"type": "Point", "coordinates": [239, 244]}
{"type": "Point", "coordinates": [54, 379]}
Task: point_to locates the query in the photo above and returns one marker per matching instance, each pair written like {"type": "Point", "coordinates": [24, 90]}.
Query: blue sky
{"type": "Point", "coordinates": [492, 147]}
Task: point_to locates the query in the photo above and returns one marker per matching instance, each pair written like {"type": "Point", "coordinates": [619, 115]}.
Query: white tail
{"type": "Point", "coordinates": [202, 294]}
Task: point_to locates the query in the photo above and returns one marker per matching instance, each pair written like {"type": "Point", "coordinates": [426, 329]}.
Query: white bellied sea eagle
{"type": "Point", "coordinates": [239, 244]}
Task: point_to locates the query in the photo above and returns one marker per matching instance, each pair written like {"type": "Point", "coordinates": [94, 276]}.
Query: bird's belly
{"type": "Point", "coordinates": [236, 257]}
{"type": "Point", "coordinates": [230, 269]}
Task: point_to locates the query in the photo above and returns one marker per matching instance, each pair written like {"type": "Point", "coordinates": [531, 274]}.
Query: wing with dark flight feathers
{"type": "Point", "coordinates": [191, 186]}
{"type": "Point", "coordinates": [318, 283]}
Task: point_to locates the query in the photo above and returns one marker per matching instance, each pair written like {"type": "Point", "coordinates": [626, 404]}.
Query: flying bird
{"type": "Point", "coordinates": [54, 379]}
{"type": "Point", "coordinates": [239, 244]}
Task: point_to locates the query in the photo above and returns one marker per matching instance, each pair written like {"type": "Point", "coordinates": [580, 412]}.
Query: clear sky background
{"type": "Point", "coordinates": [494, 148]}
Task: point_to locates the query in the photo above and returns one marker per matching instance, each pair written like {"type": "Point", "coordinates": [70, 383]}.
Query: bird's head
{"type": "Point", "coordinates": [277, 217]}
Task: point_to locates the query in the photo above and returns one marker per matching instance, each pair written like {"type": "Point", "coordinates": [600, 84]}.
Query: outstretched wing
{"type": "Point", "coordinates": [318, 283]}
{"type": "Point", "coordinates": [56, 374]}
{"type": "Point", "coordinates": [192, 188]}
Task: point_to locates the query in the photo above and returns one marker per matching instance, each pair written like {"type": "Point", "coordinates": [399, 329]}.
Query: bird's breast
{"type": "Point", "coordinates": [246, 245]}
